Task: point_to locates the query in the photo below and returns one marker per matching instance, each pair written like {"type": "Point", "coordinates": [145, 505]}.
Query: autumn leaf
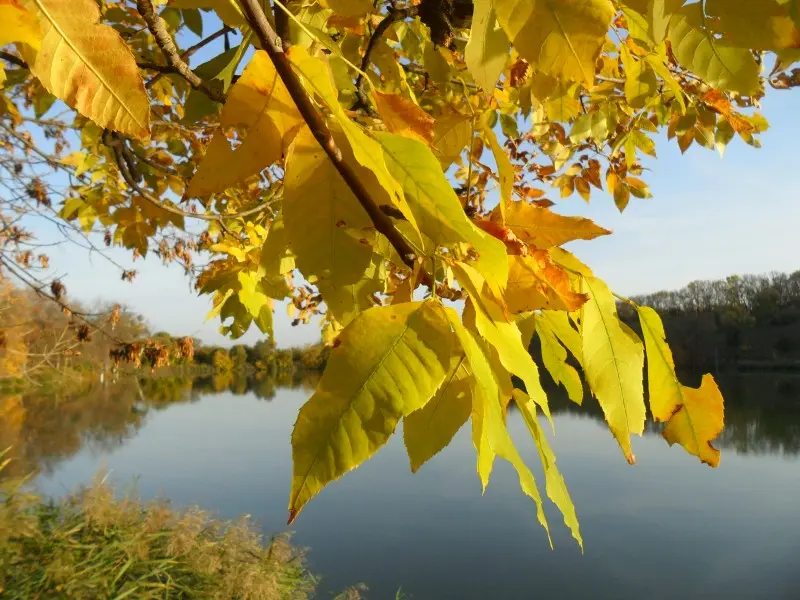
{"type": "Point", "coordinates": [536, 283]}
{"type": "Point", "coordinates": [19, 25]}
{"type": "Point", "coordinates": [403, 117]}
{"type": "Point", "coordinates": [542, 228]}
{"type": "Point", "coordinates": [698, 421]}
{"type": "Point", "coordinates": [88, 66]}
{"type": "Point", "coordinates": [694, 416]}
{"type": "Point", "coordinates": [554, 356]}
{"type": "Point", "coordinates": [613, 360]}
{"type": "Point", "coordinates": [562, 38]}
{"type": "Point", "coordinates": [721, 64]}
{"type": "Point", "coordinates": [428, 430]}
{"type": "Point", "coordinates": [487, 48]}
{"type": "Point", "coordinates": [260, 103]}
{"type": "Point", "coordinates": [389, 362]}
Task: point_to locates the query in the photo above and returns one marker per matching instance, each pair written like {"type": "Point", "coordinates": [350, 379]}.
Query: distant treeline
{"type": "Point", "coordinates": [740, 321]}
{"type": "Point", "coordinates": [263, 356]}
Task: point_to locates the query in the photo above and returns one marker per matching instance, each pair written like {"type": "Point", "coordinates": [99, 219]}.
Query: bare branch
{"type": "Point", "coordinates": [7, 56]}
{"type": "Point", "coordinates": [116, 144]}
{"type": "Point", "coordinates": [170, 51]}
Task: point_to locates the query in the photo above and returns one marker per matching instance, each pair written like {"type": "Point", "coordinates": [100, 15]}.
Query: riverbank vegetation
{"type": "Point", "coordinates": [92, 544]}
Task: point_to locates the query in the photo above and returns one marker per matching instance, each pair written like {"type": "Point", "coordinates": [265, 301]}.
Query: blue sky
{"type": "Point", "coordinates": [709, 218]}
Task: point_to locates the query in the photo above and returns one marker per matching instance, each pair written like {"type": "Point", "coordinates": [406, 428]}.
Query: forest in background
{"type": "Point", "coordinates": [745, 321]}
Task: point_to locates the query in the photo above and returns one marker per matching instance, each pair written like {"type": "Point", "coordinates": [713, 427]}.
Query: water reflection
{"type": "Point", "coordinates": [44, 430]}
{"type": "Point", "coordinates": [762, 414]}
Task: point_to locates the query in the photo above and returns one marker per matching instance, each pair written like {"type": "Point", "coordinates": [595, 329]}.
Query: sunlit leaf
{"type": "Point", "coordinates": [389, 362]}
{"type": "Point", "coordinates": [88, 66]}
{"type": "Point", "coordinates": [613, 361]}
{"type": "Point", "coordinates": [428, 430]}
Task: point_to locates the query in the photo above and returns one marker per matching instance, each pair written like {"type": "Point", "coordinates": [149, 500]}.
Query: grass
{"type": "Point", "coordinates": [93, 545]}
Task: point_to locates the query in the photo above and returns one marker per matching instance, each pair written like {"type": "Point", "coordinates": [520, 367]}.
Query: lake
{"type": "Point", "coordinates": [668, 528]}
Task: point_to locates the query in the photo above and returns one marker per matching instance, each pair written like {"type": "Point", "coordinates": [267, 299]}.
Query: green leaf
{"type": "Point", "coordinates": [193, 20]}
{"type": "Point", "coordinates": [218, 72]}
{"type": "Point", "coordinates": [613, 360]}
{"type": "Point", "coordinates": [640, 80]}
{"type": "Point", "coordinates": [428, 430]}
{"type": "Point", "coordinates": [562, 38]}
{"type": "Point", "coordinates": [389, 362]}
{"type": "Point", "coordinates": [487, 49]}
{"type": "Point", "coordinates": [718, 62]}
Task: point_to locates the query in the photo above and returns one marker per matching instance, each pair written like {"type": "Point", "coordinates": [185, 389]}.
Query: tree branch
{"type": "Point", "coordinates": [316, 122]}
{"type": "Point", "coordinates": [191, 50]}
{"type": "Point", "coordinates": [15, 60]}
{"type": "Point", "coordinates": [170, 51]}
{"type": "Point", "coordinates": [393, 16]}
{"type": "Point", "coordinates": [117, 144]}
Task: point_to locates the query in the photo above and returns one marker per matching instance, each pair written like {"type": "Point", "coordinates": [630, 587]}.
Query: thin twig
{"type": "Point", "coordinates": [7, 56]}
{"type": "Point", "coordinates": [191, 50]}
{"type": "Point", "coordinates": [170, 51]}
{"type": "Point", "coordinates": [393, 16]}
{"type": "Point", "coordinates": [115, 143]}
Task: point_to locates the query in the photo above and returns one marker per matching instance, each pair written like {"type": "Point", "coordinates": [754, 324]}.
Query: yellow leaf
{"type": "Point", "coordinates": [757, 24]}
{"type": "Point", "coordinates": [227, 10]}
{"type": "Point", "coordinates": [558, 323]}
{"type": "Point", "coordinates": [428, 430]}
{"type": "Point", "coordinates": [698, 421]}
{"type": "Point", "coordinates": [349, 8]}
{"type": "Point", "coordinates": [555, 485]}
{"type": "Point", "coordinates": [403, 117]}
{"type": "Point", "coordinates": [260, 104]}
{"type": "Point", "coordinates": [451, 134]}
{"type": "Point", "coordinates": [19, 25]}
{"type": "Point", "coordinates": [316, 74]}
{"type": "Point", "coordinates": [640, 80]}
{"type": "Point", "coordinates": [504, 167]}
{"type": "Point", "coordinates": [554, 357]}
{"type": "Point", "coordinates": [88, 66]}
{"type": "Point", "coordinates": [562, 38]}
{"type": "Point", "coordinates": [535, 283]}
{"type": "Point", "coordinates": [613, 360]}
{"type": "Point", "coordinates": [328, 231]}
{"type": "Point", "coordinates": [695, 416]}
{"type": "Point", "coordinates": [488, 403]}
{"type": "Point", "coordinates": [504, 336]}
{"type": "Point", "coordinates": [543, 228]}
{"type": "Point", "coordinates": [388, 363]}
{"type": "Point", "coordinates": [436, 207]}
{"type": "Point", "coordinates": [717, 62]}
{"type": "Point", "coordinates": [487, 49]}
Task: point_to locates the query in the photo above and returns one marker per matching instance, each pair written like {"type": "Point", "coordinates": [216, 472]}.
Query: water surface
{"type": "Point", "coordinates": [667, 528]}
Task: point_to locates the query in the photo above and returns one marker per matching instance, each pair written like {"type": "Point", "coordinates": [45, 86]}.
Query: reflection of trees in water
{"type": "Point", "coordinates": [45, 430]}
{"type": "Point", "coordinates": [762, 413]}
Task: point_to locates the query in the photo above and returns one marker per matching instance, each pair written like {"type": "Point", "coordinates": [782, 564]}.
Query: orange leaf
{"type": "Point", "coordinates": [535, 282]}
{"type": "Point", "coordinates": [720, 103]}
{"type": "Point", "coordinates": [513, 244]}
{"type": "Point", "coordinates": [403, 117]}
{"type": "Point", "coordinates": [542, 228]}
{"type": "Point", "coordinates": [698, 421]}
